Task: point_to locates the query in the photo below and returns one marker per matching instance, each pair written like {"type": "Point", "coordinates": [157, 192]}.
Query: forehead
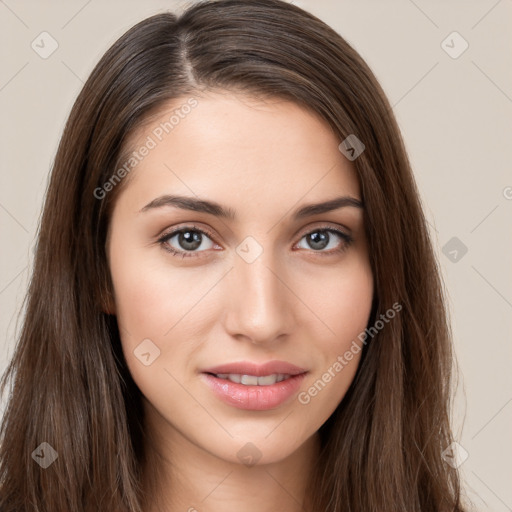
{"type": "Point", "coordinates": [239, 149]}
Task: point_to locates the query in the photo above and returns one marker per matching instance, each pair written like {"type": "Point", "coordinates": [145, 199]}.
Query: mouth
{"type": "Point", "coordinates": [251, 387]}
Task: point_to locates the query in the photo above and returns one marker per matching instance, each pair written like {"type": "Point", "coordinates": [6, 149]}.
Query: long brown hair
{"type": "Point", "coordinates": [70, 388]}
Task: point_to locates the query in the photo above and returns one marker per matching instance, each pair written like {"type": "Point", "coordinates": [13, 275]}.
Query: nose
{"type": "Point", "coordinates": [260, 305]}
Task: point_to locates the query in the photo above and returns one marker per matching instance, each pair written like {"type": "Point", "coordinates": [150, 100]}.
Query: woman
{"type": "Point", "coordinates": [235, 302]}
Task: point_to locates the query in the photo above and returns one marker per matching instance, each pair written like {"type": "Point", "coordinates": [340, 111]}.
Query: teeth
{"type": "Point", "coordinates": [252, 380]}
{"type": "Point", "coordinates": [249, 380]}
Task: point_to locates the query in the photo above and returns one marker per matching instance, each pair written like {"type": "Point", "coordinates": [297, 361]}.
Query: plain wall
{"type": "Point", "coordinates": [455, 115]}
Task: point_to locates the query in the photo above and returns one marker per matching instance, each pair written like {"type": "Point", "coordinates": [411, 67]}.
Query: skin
{"type": "Point", "coordinates": [295, 302]}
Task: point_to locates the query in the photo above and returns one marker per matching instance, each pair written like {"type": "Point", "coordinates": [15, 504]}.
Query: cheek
{"type": "Point", "coordinates": [344, 306]}
{"type": "Point", "coordinates": [342, 299]}
{"type": "Point", "coordinates": [151, 296]}
{"type": "Point", "coordinates": [155, 315]}
{"type": "Point", "coordinates": [139, 294]}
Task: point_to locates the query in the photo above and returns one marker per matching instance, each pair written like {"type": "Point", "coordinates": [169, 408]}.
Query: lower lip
{"type": "Point", "coordinates": [254, 398]}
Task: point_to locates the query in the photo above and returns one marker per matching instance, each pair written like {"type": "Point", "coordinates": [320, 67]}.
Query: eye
{"type": "Point", "coordinates": [188, 239]}
{"type": "Point", "coordinates": [327, 237]}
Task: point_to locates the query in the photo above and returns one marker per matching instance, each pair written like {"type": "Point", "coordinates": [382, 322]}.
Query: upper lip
{"type": "Point", "coordinates": [259, 370]}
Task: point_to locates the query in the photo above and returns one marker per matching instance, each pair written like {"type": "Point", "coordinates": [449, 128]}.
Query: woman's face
{"type": "Point", "coordinates": [265, 285]}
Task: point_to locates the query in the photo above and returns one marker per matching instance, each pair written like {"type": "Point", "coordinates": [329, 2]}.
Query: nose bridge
{"type": "Point", "coordinates": [260, 303]}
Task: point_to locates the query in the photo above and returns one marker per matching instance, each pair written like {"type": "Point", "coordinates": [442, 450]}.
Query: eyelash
{"type": "Point", "coordinates": [185, 254]}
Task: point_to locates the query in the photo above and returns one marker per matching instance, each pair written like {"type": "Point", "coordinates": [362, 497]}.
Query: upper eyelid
{"type": "Point", "coordinates": [174, 231]}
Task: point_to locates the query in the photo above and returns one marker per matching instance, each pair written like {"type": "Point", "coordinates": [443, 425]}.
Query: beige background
{"type": "Point", "coordinates": [455, 114]}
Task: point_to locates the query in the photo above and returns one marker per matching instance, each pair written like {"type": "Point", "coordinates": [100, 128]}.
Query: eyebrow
{"type": "Point", "coordinates": [217, 210]}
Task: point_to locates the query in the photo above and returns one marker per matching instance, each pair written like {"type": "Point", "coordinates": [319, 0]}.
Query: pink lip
{"type": "Point", "coordinates": [255, 398]}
